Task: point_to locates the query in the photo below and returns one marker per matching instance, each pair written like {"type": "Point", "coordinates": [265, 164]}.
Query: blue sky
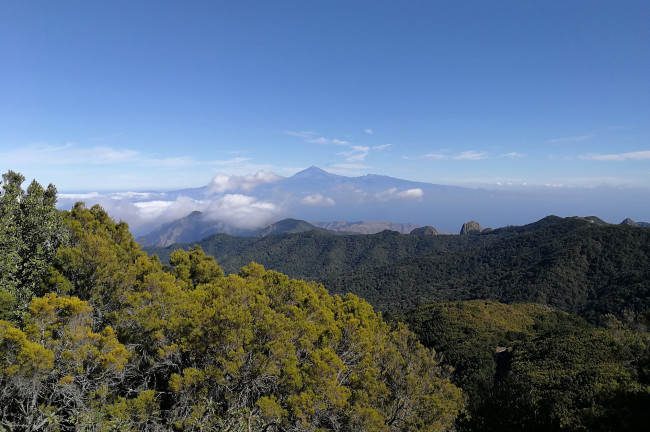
{"type": "Point", "coordinates": [140, 95]}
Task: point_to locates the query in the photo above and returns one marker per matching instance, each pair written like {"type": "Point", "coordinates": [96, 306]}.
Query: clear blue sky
{"type": "Point", "coordinates": [135, 95]}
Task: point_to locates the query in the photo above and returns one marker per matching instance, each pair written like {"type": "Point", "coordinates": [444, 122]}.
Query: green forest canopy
{"type": "Point", "coordinates": [107, 340]}
{"type": "Point", "coordinates": [97, 335]}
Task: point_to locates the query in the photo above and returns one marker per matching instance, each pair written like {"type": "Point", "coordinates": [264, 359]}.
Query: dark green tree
{"type": "Point", "coordinates": [31, 231]}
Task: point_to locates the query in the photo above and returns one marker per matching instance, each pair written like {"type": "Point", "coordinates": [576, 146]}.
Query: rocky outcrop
{"type": "Point", "coordinates": [425, 230]}
{"type": "Point", "coordinates": [629, 222]}
{"type": "Point", "coordinates": [471, 228]}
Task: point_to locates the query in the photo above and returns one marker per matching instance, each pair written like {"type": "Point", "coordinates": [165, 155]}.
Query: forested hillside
{"type": "Point", "coordinates": [572, 264]}
{"type": "Point", "coordinates": [579, 265]}
{"type": "Point", "coordinates": [527, 367]}
{"type": "Point", "coordinates": [317, 255]}
{"type": "Point", "coordinates": [98, 336]}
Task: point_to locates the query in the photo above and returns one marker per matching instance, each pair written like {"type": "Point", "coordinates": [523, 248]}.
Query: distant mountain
{"type": "Point", "coordinates": [576, 264]}
{"type": "Point", "coordinates": [239, 205]}
{"type": "Point", "coordinates": [366, 227]}
{"type": "Point", "coordinates": [189, 229]}
{"type": "Point", "coordinates": [286, 226]}
{"type": "Point", "coordinates": [196, 226]}
{"type": "Point", "coordinates": [630, 222]}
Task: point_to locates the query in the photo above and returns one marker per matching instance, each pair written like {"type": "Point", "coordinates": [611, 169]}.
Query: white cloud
{"type": "Point", "coordinates": [238, 210]}
{"type": "Point", "coordinates": [572, 139]}
{"type": "Point", "coordinates": [222, 183]}
{"type": "Point", "coordinates": [74, 154]}
{"type": "Point", "coordinates": [412, 193]}
{"type": "Point", "coordinates": [640, 155]}
{"type": "Point", "coordinates": [466, 155]}
{"type": "Point", "coordinates": [301, 134]}
{"type": "Point", "coordinates": [513, 155]}
{"type": "Point", "coordinates": [369, 131]}
{"type": "Point", "coordinates": [590, 182]}
{"type": "Point", "coordinates": [78, 196]}
{"type": "Point", "coordinates": [357, 154]}
{"type": "Point", "coordinates": [471, 155]}
{"type": "Point", "coordinates": [242, 211]}
{"type": "Point", "coordinates": [435, 156]}
{"type": "Point", "coordinates": [323, 140]}
{"type": "Point", "coordinates": [311, 137]}
{"type": "Point", "coordinates": [318, 200]}
{"type": "Point", "coordinates": [68, 154]}
{"type": "Point", "coordinates": [393, 193]}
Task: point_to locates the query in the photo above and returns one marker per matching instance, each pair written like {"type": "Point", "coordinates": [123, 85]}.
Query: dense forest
{"type": "Point", "coordinates": [579, 265]}
{"type": "Point", "coordinates": [572, 264]}
{"type": "Point", "coordinates": [317, 254]}
{"type": "Point", "coordinates": [95, 334]}
{"type": "Point", "coordinates": [527, 367]}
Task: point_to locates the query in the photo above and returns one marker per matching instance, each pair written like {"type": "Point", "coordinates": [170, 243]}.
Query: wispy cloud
{"type": "Point", "coordinates": [485, 181]}
{"type": "Point", "coordinates": [74, 154]}
{"type": "Point", "coordinates": [68, 154]}
{"type": "Point", "coordinates": [430, 156]}
{"type": "Point", "coordinates": [640, 155]}
{"type": "Point", "coordinates": [301, 134]}
{"type": "Point", "coordinates": [513, 155]}
{"type": "Point", "coordinates": [434, 156]}
{"type": "Point", "coordinates": [589, 182]}
{"type": "Point", "coordinates": [322, 140]}
{"type": "Point", "coordinates": [471, 155]}
{"type": "Point", "coordinates": [358, 153]}
{"type": "Point", "coordinates": [572, 139]}
{"type": "Point", "coordinates": [466, 155]}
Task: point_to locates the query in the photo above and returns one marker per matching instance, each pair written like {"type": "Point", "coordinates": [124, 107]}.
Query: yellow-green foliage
{"type": "Point", "coordinates": [121, 343]}
{"type": "Point", "coordinates": [260, 348]}
{"type": "Point", "coordinates": [57, 366]}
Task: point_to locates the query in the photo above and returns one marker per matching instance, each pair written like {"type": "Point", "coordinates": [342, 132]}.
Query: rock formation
{"type": "Point", "coordinates": [471, 228]}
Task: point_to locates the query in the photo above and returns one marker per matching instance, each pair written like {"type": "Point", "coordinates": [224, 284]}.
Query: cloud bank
{"type": "Point", "coordinates": [318, 200]}
{"type": "Point", "coordinates": [393, 193]}
{"type": "Point", "coordinates": [640, 155]}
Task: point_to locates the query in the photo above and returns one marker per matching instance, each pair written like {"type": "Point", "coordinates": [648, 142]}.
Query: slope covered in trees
{"type": "Point", "coordinates": [97, 335]}
{"type": "Point", "coordinates": [109, 340]}
{"type": "Point", "coordinates": [579, 265]}
{"type": "Point", "coordinates": [572, 264]}
{"type": "Point", "coordinates": [317, 255]}
{"type": "Point", "coordinates": [530, 367]}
